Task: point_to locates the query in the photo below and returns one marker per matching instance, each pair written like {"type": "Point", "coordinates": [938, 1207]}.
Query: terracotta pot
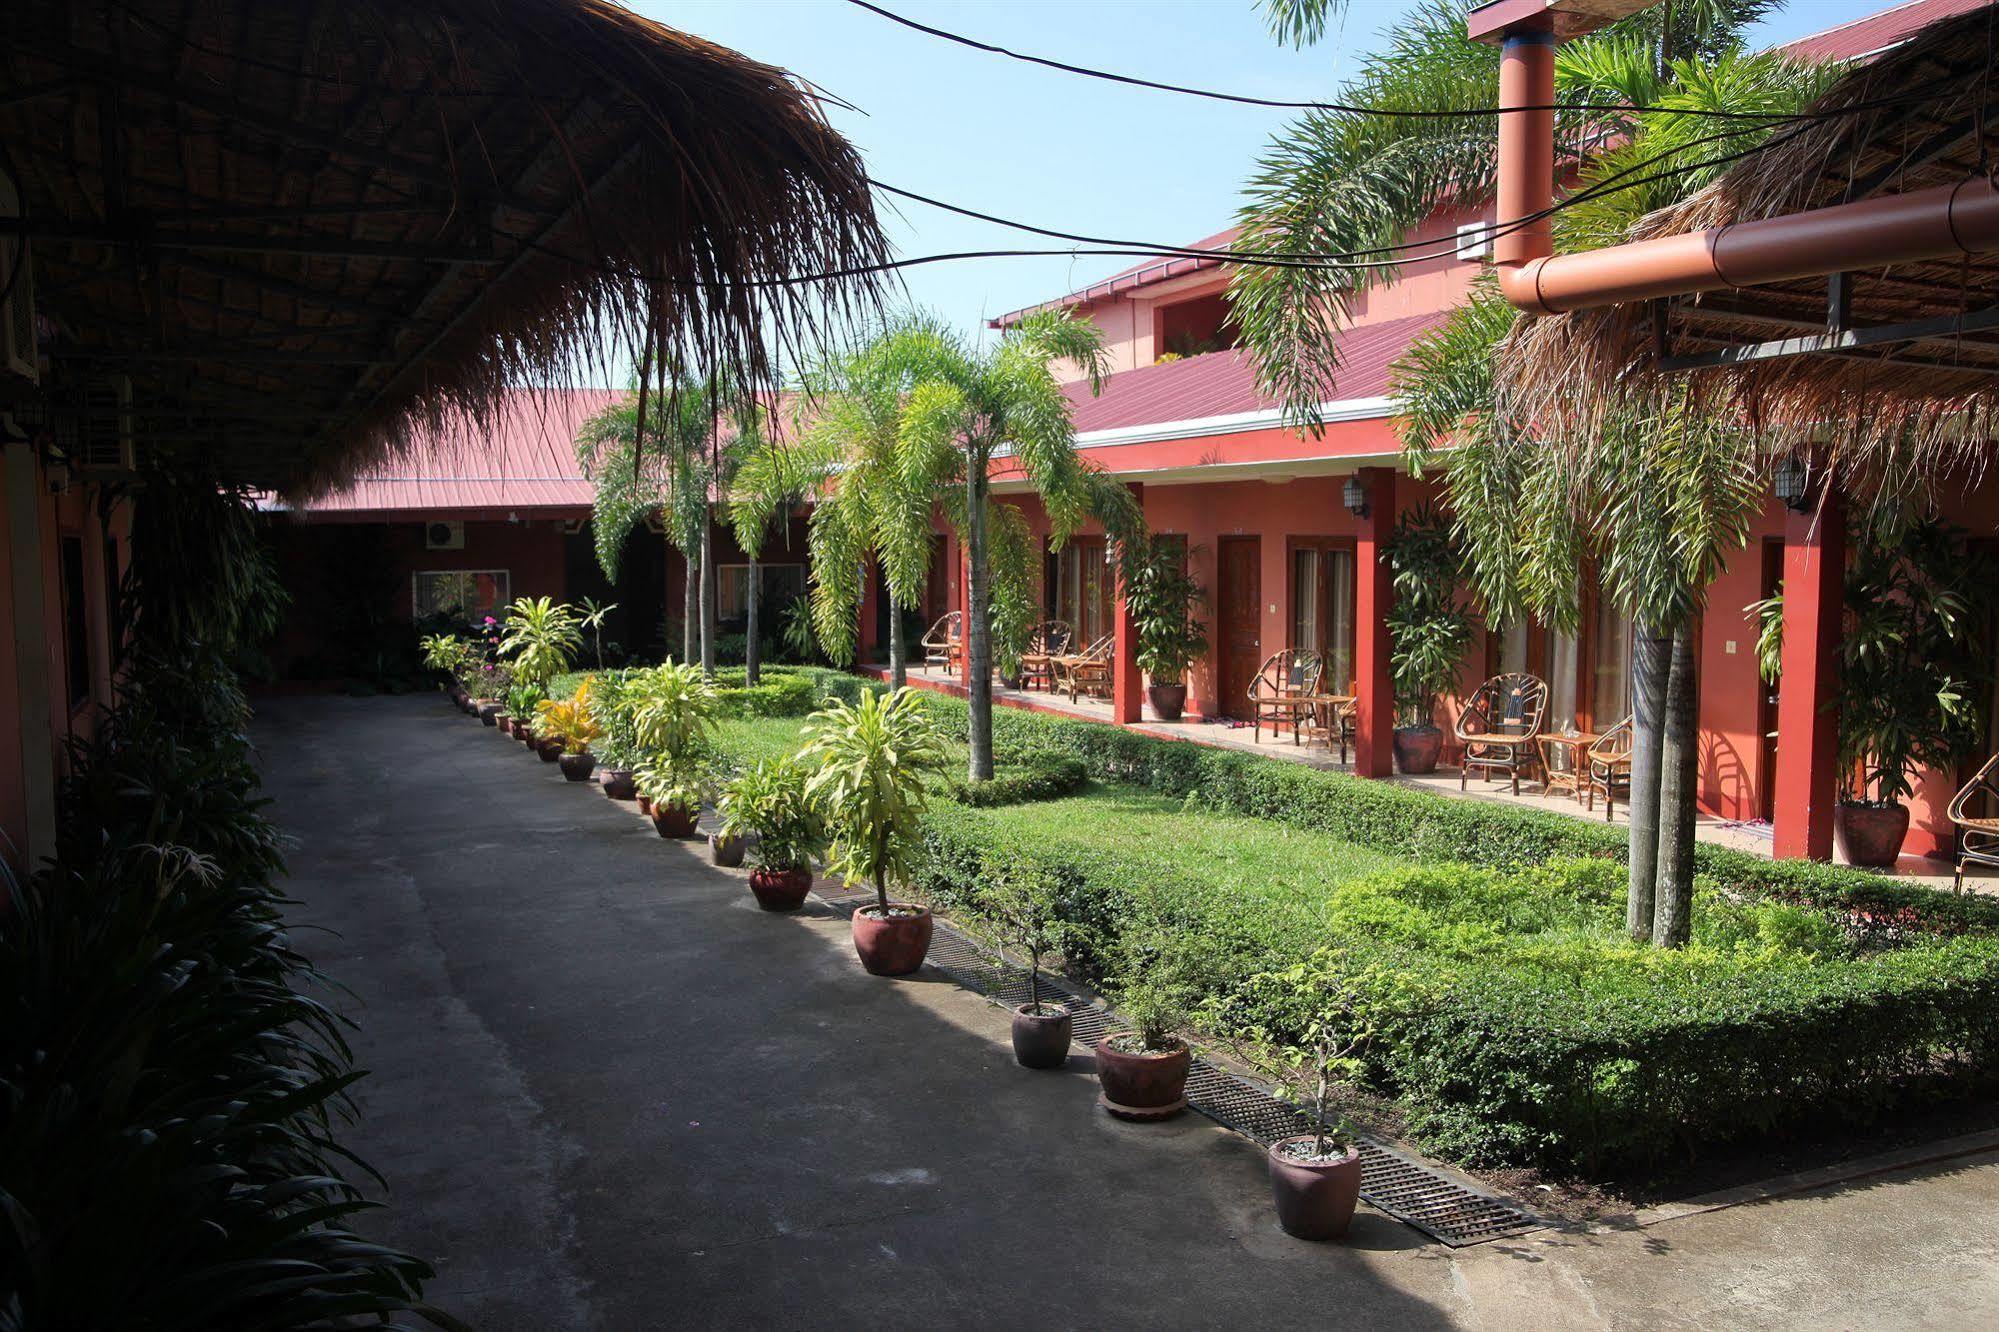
{"type": "Point", "coordinates": [1142, 1086]}
{"type": "Point", "coordinates": [892, 946]}
{"type": "Point", "coordinates": [728, 851]}
{"type": "Point", "coordinates": [505, 723]}
{"type": "Point", "coordinates": [1041, 1040]}
{"type": "Point", "coordinates": [525, 734]}
{"type": "Point", "coordinates": [645, 806]}
{"type": "Point", "coordinates": [550, 750]}
{"type": "Point", "coordinates": [489, 714]}
{"type": "Point", "coordinates": [781, 889]}
{"type": "Point", "coordinates": [577, 767]}
{"type": "Point", "coordinates": [619, 783]}
{"type": "Point", "coordinates": [1416, 748]}
{"type": "Point", "coordinates": [1870, 834]}
{"type": "Point", "coordinates": [673, 820]}
{"type": "Point", "coordinates": [1168, 700]}
{"type": "Point", "coordinates": [1315, 1199]}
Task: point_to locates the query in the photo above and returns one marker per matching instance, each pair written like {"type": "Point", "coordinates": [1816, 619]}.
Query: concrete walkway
{"type": "Point", "coordinates": [607, 1092]}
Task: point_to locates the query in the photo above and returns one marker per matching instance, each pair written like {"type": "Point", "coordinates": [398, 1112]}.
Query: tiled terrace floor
{"type": "Point", "coordinates": [1751, 837]}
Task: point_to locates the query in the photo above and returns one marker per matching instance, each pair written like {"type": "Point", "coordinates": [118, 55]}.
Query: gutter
{"type": "Point", "coordinates": [1946, 222]}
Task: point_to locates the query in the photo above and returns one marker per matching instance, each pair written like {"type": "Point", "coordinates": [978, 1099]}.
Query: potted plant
{"type": "Point", "coordinates": [676, 790]}
{"type": "Point", "coordinates": [1430, 631]}
{"type": "Point", "coordinates": [1165, 605]}
{"type": "Point", "coordinates": [874, 759]}
{"type": "Point", "coordinates": [541, 639]}
{"type": "Point", "coordinates": [445, 654]}
{"type": "Point", "coordinates": [673, 710]}
{"type": "Point", "coordinates": [1021, 914]}
{"type": "Point", "coordinates": [612, 703]}
{"type": "Point", "coordinates": [770, 800]}
{"type": "Point", "coordinates": [524, 699]}
{"type": "Point", "coordinates": [568, 723]}
{"type": "Point", "coordinates": [1326, 1011]}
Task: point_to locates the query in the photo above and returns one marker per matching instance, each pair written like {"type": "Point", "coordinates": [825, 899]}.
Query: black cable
{"type": "Point", "coordinates": [1283, 105]}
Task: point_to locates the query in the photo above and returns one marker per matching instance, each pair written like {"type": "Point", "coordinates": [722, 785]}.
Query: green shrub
{"type": "Point", "coordinates": [1042, 777]}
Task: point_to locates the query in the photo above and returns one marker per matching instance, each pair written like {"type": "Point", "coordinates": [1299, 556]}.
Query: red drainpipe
{"type": "Point", "coordinates": [1946, 222]}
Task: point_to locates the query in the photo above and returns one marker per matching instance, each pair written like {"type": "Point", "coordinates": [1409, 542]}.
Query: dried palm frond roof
{"type": "Point", "coordinates": [1933, 397]}
{"type": "Point", "coordinates": [308, 232]}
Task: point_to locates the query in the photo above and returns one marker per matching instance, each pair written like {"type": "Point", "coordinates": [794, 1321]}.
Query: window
{"type": "Point", "coordinates": [465, 593]}
{"type": "Point", "coordinates": [75, 623]}
{"type": "Point", "coordinates": [1610, 696]}
{"type": "Point", "coordinates": [1514, 645]}
{"type": "Point", "coordinates": [1083, 587]}
{"type": "Point", "coordinates": [1195, 327]}
{"type": "Point", "coordinates": [1561, 680]}
{"type": "Point", "coordinates": [1322, 607]}
{"type": "Point", "coordinates": [778, 585]}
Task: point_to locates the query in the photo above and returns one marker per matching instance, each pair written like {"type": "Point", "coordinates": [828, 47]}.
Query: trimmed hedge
{"type": "Point", "coordinates": [1522, 1027]}
{"type": "Point", "coordinates": [1041, 777]}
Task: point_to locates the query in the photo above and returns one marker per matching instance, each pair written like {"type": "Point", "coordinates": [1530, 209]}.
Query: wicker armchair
{"type": "Point", "coordinates": [944, 641]}
{"type": "Point", "coordinates": [1977, 834]}
{"type": "Point", "coordinates": [1050, 639]}
{"type": "Point", "coordinates": [1607, 768]}
{"type": "Point", "coordinates": [1500, 726]}
{"type": "Point", "coordinates": [1280, 692]}
{"type": "Point", "coordinates": [1085, 672]}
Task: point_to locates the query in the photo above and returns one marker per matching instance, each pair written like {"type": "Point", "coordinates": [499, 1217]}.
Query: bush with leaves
{"type": "Point", "coordinates": [1429, 627]}
{"type": "Point", "coordinates": [542, 639]}
{"type": "Point", "coordinates": [874, 760]}
{"type": "Point", "coordinates": [770, 799]}
{"type": "Point", "coordinates": [1166, 605]}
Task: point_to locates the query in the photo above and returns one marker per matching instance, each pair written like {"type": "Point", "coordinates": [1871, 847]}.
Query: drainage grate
{"type": "Point", "coordinates": [1445, 1208]}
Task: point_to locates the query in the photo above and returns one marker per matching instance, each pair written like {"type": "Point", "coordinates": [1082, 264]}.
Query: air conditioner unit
{"type": "Point", "coordinates": [1475, 240]}
{"type": "Point", "coordinates": [17, 310]}
{"type": "Point", "coordinates": [444, 536]}
{"type": "Point", "coordinates": [104, 426]}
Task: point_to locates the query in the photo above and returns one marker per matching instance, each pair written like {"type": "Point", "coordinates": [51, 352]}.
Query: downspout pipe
{"type": "Point", "coordinates": [1946, 222]}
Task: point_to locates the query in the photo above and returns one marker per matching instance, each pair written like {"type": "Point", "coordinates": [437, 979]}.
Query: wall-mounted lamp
{"type": "Point", "coordinates": [1792, 484]}
{"type": "Point", "coordinates": [1355, 495]}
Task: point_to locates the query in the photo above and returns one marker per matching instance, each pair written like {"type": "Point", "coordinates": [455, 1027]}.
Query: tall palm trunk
{"type": "Point", "coordinates": [1651, 663]}
{"type": "Point", "coordinates": [1672, 912]}
{"type": "Point", "coordinates": [978, 630]}
{"type": "Point", "coordinates": [708, 590]}
{"type": "Point", "coordinates": [752, 666]}
{"type": "Point", "coordinates": [898, 648]}
{"type": "Point", "coordinates": [690, 602]}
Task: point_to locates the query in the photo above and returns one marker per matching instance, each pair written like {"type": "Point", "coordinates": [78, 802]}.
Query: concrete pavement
{"type": "Point", "coordinates": [607, 1092]}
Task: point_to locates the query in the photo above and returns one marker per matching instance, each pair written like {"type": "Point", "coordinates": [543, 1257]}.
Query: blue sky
{"type": "Point", "coordinates": [1051, 148]}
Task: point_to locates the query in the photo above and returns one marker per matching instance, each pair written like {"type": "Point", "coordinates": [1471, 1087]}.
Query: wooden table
{"type": "Point", "coordinates": [1325, 710]}
{"type": "Point", "coordinates": [1568, 775]}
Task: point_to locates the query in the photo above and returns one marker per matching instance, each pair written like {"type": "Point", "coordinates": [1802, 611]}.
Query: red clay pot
{"type": "Point", "coordinates": [728, 852]}
{"type": "Point", "coordinates": [1168, 700]}
{"type": "Point", "coordinates": [645, 806]}
{"type": "Point", "coordinates": [1315, 1199]}
{"type": "Point", "coordinates": [1870, 834]}
{"type": "Point", "coordinates": [577, 767]}
{"type": "Point", "coordinates": [673, 820]}
{"type": "Point", "coordinates": [1041, 1040]}
{"type": "Point", "coordinates": [489, 714]}
{"type": "Point", "coordinates": [619, 784]}
{"type": "Point", "coordinates": [1143, 1086]}
{"type": "Point", "coordinates": [1416, 748]}
{"type": "Point", "coordinates": [895, 945]}
{"type": "Point", "coordinates": [781, 889]}
{"type": "Point", "coordinates": [550, 750]}
{"type": "Point", "coordinates": [505, 723]}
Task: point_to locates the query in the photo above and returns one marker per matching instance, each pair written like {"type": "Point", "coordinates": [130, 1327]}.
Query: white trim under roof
{"type": "Point", "coordinates": [1232, 423]}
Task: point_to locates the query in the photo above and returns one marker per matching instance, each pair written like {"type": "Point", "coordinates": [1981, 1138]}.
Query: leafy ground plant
{"type": "Point", "coordinates": [770, 799]}
{"type": "Point", "coordinates": [875, 760]}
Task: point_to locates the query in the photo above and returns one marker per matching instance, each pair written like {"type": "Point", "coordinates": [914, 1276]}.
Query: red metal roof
{"type": "Point", "coordinates": [1866, 36]}
{"type": "Point", "coordinates": [1143, 273]}
{"type": "Point", "coordinates": [1224, 383]}
{"type": "Point", "coordinates": [526, 461]}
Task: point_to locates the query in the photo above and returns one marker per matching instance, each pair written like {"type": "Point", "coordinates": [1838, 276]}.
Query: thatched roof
{"type": "Point", "coordinates": [1928, 399]}
{"type": "Point", "coordinates": [309, 231]}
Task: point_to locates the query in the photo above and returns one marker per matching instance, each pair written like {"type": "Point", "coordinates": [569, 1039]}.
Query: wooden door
{"type": "Point", "coordinates": [1239, 613]}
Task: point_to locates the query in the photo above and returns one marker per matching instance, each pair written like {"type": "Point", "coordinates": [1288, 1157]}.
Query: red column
{"type": "Point", "coordinates": [1807, 730]}
{"type": "Point", "coordinates": [866, 649]}
{"type": "Point", "coordinates": [1374, 716]}
{"type": "Point", "coordinates": [1127, 684]}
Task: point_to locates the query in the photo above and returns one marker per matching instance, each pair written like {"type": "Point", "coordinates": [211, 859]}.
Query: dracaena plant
{"type": "Point", "coordinates": [875, 760]}
{"type": "Point", "coordinates": [542, 638]}
{"type": "Point", "coordinates": [675, 783]}
{"type": "Point", "coordinates": [674, 711]}
{"type": "Point", "coordinates": [569, 721]}
{"type": "Point", "coordinates": [771, 799]}
{"type": "Point", "coordinates": [1166, 604]}
{"type": "Point", "coordinates": [1429, 628]}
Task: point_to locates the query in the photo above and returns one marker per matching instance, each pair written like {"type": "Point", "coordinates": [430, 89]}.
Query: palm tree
{"type": "Point", "coordinates": [1530, 514]}
{"type": "Point", "coordinates": [965, 407]}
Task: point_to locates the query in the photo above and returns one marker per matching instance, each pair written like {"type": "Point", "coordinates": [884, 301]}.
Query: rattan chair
{"type": "Point", "coordinates": [1280, 692]}
{"type": "Point", "coordinates": [1500, 725]}
{"type": "Point", "coordinates": [1607, 768]}
{"type": "Point", "coordinates": [1050, 639]}
{"type": "Point", "coordinates": [1977, 834]}
{"type": "Point", "coordinates": [1085, 672]}
{"type": "Point", "coordinates": [942, 644]}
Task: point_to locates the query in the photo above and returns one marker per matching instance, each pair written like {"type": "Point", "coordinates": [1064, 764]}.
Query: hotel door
{"type": "Point", "coordinates": [1239, 612]}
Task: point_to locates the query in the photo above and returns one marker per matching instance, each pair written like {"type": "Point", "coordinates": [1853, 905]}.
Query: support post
{"type": "Point", "coordinates": [1807, 729]}
{"type": "Point", "coordinates": [1374, 596]}
{"type": "Point", "coordinates": [1127, 683]}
